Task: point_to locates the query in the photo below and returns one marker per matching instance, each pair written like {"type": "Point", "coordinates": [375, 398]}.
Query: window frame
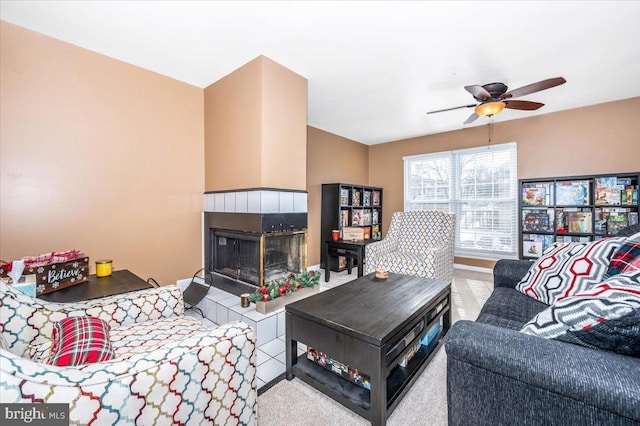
{"type": "Point", "coordinates": [504, 197]}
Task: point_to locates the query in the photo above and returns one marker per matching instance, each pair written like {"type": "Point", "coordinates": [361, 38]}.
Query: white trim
{"type": "Point", "coordinates": [315, 267]}
{"type": "Point", "coordinates": [472, 268]}
{"type": "Point", "coordinates": [464, 150]}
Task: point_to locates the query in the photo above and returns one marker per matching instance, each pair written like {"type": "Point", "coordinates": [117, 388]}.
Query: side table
{"type": "Point", "coordinates": [119, 282]}
{"type": "Point", "coordinates": [350, 249]}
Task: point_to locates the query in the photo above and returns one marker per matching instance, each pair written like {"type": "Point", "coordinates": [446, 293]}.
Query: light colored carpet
{"type": "Point", "coordinates": [296, 403]}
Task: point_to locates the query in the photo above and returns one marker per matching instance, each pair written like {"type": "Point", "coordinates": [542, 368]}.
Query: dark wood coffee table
{"type": "Point", "coordinates": [119, 282]}
{"type": "Point", "coordinates": [359, 324]}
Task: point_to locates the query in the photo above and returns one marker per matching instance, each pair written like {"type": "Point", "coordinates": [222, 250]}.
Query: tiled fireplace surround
{"type": "Point", "coordinates": [220, 307]}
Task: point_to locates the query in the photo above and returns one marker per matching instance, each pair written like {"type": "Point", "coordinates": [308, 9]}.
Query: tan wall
{"type": "Point", "coordinates": [233, 129]}
{"type": "Point", "coordinates": [98, 155]}
{"type": "Point", "coordinates": [284, 127]}
{"type": "Point", "coordinates": [596, 139]}
{"type": "Point", "coordinates": [256, 128]}
{"type": "Point", "coordinates": [330, 159]}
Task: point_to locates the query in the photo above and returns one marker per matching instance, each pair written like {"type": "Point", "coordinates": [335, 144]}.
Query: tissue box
{"type": "Point", "coordinates": [54, 276]}
{"type": "Point", "coordinates": [27, 284]}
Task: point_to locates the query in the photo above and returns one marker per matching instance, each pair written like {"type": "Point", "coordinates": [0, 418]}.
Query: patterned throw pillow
{"type": "Point", "coordinates": [627, 257]}
{"type": "Point", "coordinates": [567, 269]}
{"type": "Point", "coordinates": [80, 340]}
{"type": "Point", "coordinates": [606, 316]}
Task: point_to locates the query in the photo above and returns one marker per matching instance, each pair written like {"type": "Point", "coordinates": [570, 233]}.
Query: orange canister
{"type": "Point", "coordinates": [104, 267]}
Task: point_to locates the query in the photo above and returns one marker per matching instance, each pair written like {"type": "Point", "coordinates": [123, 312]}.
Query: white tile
{"type": "Point", "coordinates": [281, 323]}
{"type": "Point", "coordinates": [253, 202]}
{"type": "Point", "coordinates": [273, 348]}
{"type": "Point", "coordinates": [250, 323]}
{"type": "Point", "coordinates": [241, 202]}
{"type": "Point", "coordinates": [300, 351]}
{"type": "Point", "coordinates": [257, 316]}
{"type": "Point", "coordinates": [286, 202]}
{"type": "Point", "coordinates": [234, 316]}
{"type": "Point", "coordinates": [229, 301]}
{"type": "Point", "coordinates": [240, 310]}
{"type": "Point", "coordinates": [222, 314]}
{"type": "Point", "coordinates": [269, 202]}
{"type": "Point", "coordinates": [282, 357]}
{"type": "Point", "coordinates": [209, 202]}
{"type": "Point", "coordinates": [259, 383]}
{"type": "Point", "coordinates": [182, 284]}
{"type": "Point", "coordinates": [270, 370]}
{"type": "Point", "coordinates": [216, 294]}
{"type": "Point", "coordinates": [262, 357]}
{"type": "Point", "coordinates": [209, 308]}
{"type": "Point", "coordinates": [218, 205]}
{"type": "Point", "coordinates": [266, 330]}
{"type": "Point", "coordinates": [300, 202]}
{"type": "Point", "coordinates": [230, 202]}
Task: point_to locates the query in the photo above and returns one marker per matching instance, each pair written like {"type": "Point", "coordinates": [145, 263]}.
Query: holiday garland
{"type": "Point", "coordinates": [286, 286]}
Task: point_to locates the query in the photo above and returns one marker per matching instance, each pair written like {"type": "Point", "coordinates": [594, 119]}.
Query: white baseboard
{"type": "Point", "coordinates": [472, 268]}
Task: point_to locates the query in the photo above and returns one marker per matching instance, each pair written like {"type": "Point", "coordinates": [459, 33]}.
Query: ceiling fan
{"type": "Point", "coordinates": [493, 98]}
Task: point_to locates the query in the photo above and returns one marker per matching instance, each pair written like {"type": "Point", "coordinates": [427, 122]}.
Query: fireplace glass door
{"type": "Point", "coordinates": [284, 253]}
{"type": "Point", "coordinates": [258, 258]}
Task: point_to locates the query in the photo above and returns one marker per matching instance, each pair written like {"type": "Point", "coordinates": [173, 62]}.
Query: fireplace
{"type": "Point", "coordinates": [255, 242]}
{"type": "Point", "coordinates": [257, 258]}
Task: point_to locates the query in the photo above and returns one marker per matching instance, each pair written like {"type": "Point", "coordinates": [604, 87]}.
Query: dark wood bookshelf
{"type": "Point", "coordinates": [349, 205]}
{"type": "Point", "coordinates": [574, 208]}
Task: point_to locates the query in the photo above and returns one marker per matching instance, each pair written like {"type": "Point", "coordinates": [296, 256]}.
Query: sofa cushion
{"type": "Point", "coordinates": [132, 339]}
{"type": "Point", "coordinates": [509, 308]}
{"type": "Point", "coordinates": [606, 316]}
{"type": "Point", "coordinates": [80, 340]}
{"type": "Point", "coordinates": [627, 257]}
{"type": "Point", "coordinates": [568, 268]}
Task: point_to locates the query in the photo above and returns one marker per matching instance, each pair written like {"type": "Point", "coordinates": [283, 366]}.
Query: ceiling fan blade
{"type": "Point", "coordinates": [534, 87]}
{"type": "Point", "coordinates": [473, 117]}
{"type": "Point", "coordinates": [524, 105]}
{"type": "Point", "coordinates": [450, 109]}
{"type": "Point", "coordinates": [478, 92]}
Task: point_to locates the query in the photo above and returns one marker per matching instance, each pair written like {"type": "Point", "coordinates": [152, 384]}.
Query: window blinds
{"type": "Point", "coordinates": [479, 185]}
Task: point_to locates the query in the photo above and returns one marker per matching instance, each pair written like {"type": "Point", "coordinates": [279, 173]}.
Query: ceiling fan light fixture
{"type": "Point", "coordinates": [490, 108]}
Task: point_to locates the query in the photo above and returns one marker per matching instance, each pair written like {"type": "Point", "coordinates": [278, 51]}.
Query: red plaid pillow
{"type": "Point", "coordinates": [80, 340]}
{"type": "Point", "coordinates": [627, 257]}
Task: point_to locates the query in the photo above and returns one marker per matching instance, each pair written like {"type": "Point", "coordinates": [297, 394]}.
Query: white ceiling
{"type": "Point", "coordinates": [374, 68]}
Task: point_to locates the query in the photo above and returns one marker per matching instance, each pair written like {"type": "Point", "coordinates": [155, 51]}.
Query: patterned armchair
{"type": "Point", "coordinates": [167, 369]}
{"type": "Point", "coordinates": [418, 243]}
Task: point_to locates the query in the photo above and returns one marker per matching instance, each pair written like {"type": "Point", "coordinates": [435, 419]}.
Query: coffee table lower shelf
{"type": "Point", "coordinates": [357, 398]}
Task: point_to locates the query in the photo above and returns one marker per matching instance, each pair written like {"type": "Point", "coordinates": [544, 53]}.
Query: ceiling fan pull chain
{"type": "Point", "coordinates": [490, 131]}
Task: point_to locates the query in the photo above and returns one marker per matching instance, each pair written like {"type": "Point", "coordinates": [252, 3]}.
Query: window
{"type": "Point", "coordinates": [479, 185]}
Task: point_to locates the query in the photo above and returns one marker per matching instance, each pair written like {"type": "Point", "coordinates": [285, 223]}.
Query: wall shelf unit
{"type": "Point", "coordinates": [348, 205]}
{"type": "Point", "coordinates": [576, 208]}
